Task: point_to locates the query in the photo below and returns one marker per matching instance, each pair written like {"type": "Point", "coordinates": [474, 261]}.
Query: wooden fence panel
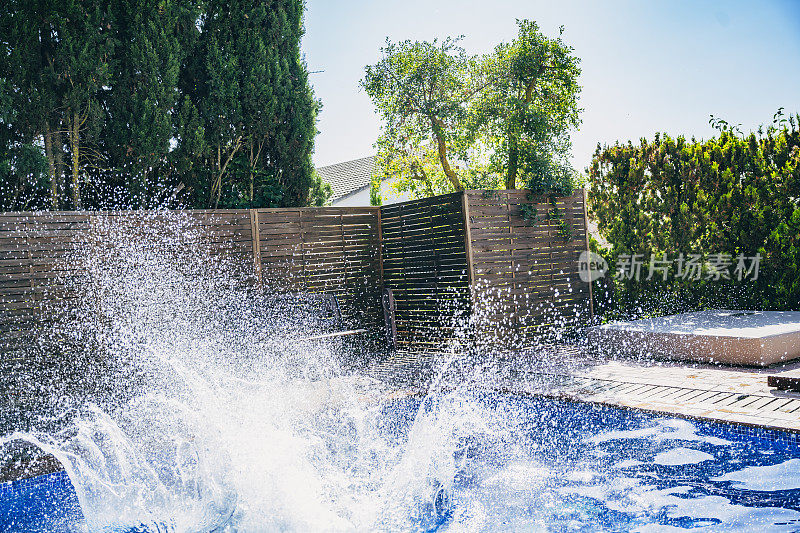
{"type": "Point", "coordinates": [35, 266]}
{"type": "Point", "coordinates": [42, 255]}
{"type": "Point", "coordinates": [425, 265]}
{"type": "Point", "coordinates": [443, 257]}
{"type": "Point", "coordinates": [334, 250]}
{"type": "Point", "coordinates": [525, 269]}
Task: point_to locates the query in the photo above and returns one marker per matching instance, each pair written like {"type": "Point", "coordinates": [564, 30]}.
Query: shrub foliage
{"type": "Point", "coordinates": [733, 195]}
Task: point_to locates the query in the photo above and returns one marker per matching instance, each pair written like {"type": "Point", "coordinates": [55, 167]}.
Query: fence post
{"type": "Point", "coordinates": [256, 246]}
{"type": "Point", "coordinates": [468, 245]}
{"type": "Point", "coordinates": [586, 234]}
{"type": "Point", "coordinates": [379, 244]}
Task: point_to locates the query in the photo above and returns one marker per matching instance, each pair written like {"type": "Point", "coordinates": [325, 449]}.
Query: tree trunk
{"type": "Point", "coordinates": [513, 160]}
{"type": "Point", "coordinates": [252, 160]}
{"type": "Point", "coordinates": [255, 157]}
{"type": "Point", "coordinates": [75, 146]}
{"type": "Point", "coordinates": [513, 140]}
{"type": "Point", "coordinates": [438, 126]}
{"type": "Point", "coordinates": [252, 174]}
{"type": "Point", "coordinates": [221, 169]}
{"type": "Point", "coordinates": [58, 159]}
{"type": "Point", "coordinates": [217, 178]}
{"type": "Point", "coordinates": [51, 165]}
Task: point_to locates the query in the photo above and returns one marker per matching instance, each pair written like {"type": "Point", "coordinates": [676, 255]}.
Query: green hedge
{"type": "Point", "coordinates": [731, 195]}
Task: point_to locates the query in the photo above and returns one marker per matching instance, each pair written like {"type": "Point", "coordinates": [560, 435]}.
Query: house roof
{"type": "Point", "coordinates": [349, 176]}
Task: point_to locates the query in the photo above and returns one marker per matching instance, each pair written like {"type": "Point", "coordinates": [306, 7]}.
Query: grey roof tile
{"type": "Point", "coordinates": [349, 176]}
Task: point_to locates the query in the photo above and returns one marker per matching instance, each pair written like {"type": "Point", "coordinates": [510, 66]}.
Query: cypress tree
{"type": "Point", "coordinates": [81, 60]}
{"type": "Point", "coordinates": [31, 93]}
{"type": "Point", "coordinates": [133, 103]}
{"type": "Point", "coordinates": [217, 97]}
{"type": "Point", "coordinates": [295, 107]}
{"type": "Point", "coordinates": [143, 101]}
{"type": "Point", "coordinates": [257, 108]}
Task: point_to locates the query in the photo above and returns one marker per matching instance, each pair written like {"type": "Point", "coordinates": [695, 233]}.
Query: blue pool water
{"type": "Point", "coordinates": [564, 467]}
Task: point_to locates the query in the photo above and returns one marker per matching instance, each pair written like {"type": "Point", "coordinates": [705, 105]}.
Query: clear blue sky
{"type": "Point", "coordinates": [647, 66]}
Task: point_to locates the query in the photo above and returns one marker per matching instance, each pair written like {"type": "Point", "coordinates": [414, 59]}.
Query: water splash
{"type": "Point", "coordinates": [216, 414]}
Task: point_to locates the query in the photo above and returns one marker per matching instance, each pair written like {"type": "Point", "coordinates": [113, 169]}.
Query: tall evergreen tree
{"type": "Point", "coordinates": [24, 180]}
{"type": "Point", "coordinates": [294, 124]}
{"type": "Point", "coordinates": [29, 32]}
{"type": "Point", "coordinates": [218, 94]}
{"type": "Point", "coordinates": [256, 106]}
{"type": "Point", "coordinates": [137, 103]}
{"type": "Point", "coordinates": [81, 64]}
{"type": "Point", "coordinates": [143, 101]}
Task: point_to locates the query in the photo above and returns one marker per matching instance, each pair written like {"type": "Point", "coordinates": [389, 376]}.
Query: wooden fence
{"type": "Point", "coordinates": [425, 265]}
{"type": "Point", "coordinates": [504, 259]}
{"type": "Point", "coordinates": [509, 262]}
{"type": "Point", "coordinates": [524, 256]}
{"type": "Point", "coordinates": [33, 263]}
{"type": "Point", "coordinates": [311, 250]}
{"type": "Point", "coordinates": [334, 250]}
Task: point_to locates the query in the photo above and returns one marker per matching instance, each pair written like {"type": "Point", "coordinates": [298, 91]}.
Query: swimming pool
{"type": "Point", "coordinates": [558, 466]}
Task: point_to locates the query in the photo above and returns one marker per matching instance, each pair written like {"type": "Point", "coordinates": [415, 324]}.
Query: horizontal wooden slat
{"type": "Point", "coordinates": [424, 263]}
{"type": "Point", "coordinates": [526, 271]}
{"type": "Point", "coordinates": [422, 254]}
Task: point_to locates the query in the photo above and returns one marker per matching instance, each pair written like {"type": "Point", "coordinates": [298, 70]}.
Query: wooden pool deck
{"type": "Point", "coordinates": [696, 390]}
{"type": "Point", "coordinates": [700, 391]}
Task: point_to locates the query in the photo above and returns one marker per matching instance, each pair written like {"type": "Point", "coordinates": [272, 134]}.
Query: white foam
{"type": "Point", "coordinates": [628, 463]}
{"type": "Point", "coordinates": [682, 456]}
{"type": "Point", "coordinates": [663, 430]}
{"type": "Point", "coordinates": [782, 476]}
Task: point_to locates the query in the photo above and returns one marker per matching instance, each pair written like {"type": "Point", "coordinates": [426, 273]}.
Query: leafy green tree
{"type": "Point", "coordinates": [420, 91]}
{"type": "Point", "coordinates": [528, 107]}
{"type": "Point", "coordinates": [320, 193]}
{"type": "Point", "coordinates": [453, 121]}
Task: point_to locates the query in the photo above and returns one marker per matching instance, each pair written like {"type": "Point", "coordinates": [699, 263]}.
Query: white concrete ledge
{"type": "Point", "coordinates": [753, 338]}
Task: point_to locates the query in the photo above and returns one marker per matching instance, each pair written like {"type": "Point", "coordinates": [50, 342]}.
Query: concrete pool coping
{"type": "Point", "coordinates": [702, 391]}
